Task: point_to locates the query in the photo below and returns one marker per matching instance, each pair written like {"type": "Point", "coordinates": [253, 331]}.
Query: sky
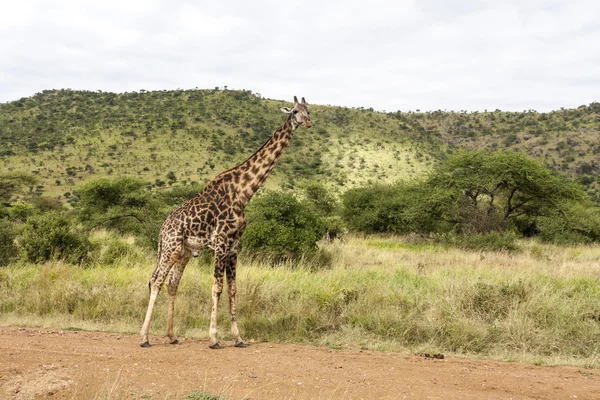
{"type": "Point", "coordinates": [512, 55]}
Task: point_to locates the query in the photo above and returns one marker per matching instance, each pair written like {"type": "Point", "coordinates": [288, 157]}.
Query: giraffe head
{"type": "Point", "coordinates": [300, 114]}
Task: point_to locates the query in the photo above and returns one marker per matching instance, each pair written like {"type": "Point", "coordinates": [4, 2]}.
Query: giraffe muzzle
{"type": "Point", "coordinates": [308, 124]}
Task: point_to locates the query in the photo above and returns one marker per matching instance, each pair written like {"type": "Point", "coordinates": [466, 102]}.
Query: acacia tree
{"type": "Point", "coordinates": [113, 203]}
{"type": "Point", "coordinates": [12, 183]}
{"type": "Point", "coordinates": [471, 192]}
{"type": "Point", "coordinates": [505, 185]}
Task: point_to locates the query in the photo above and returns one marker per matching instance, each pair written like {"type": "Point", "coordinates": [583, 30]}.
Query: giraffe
{"type": "Point", "coordinates": [215, 219]}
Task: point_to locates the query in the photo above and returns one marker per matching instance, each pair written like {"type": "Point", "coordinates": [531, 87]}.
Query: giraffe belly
{"type": "Point", "coordinates": [195, 243]}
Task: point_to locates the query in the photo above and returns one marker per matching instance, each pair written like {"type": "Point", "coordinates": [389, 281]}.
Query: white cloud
{"type": "Point", "coordinates": [427, 54]}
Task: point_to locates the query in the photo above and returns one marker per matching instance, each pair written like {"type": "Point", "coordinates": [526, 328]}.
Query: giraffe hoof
{"type": "Point", "coordinates": [145, 344]}
{"type": "Point", "coordinates": [241, 345]}
{"type": "Point", "coordinates": [215, 346]}
{"type": "Point", "coordinates": [176, 341]}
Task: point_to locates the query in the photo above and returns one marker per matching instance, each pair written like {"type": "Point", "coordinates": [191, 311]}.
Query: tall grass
{"type": "Point", "coordinates": [539, 304]}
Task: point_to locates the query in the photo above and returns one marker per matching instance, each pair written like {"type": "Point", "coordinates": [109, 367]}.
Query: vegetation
{"type": "Point", "coordinates": [166, 138]}
{"type": "Point", "coordinates": [201, 395]}
{"type": "Point", "coordinates": [51, 236]}
{"type": "Point", "coordinates": [8, 249]}
{"type": "Point", "coordinates": [282, 227]}
{"type": "Point", "coordinates": [567, 140]}
{"type": "Point", "coordinates": [88, 178]}
{"type": "Point", "coordinates": [381, 293]}
{"type": "Point", "coordinates": [66, 137]}
{"type": "Point", "coordinates": [474, 193]}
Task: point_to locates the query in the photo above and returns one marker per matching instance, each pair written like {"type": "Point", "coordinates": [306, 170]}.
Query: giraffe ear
{"type": "Point", "coordinates": [286, 110]}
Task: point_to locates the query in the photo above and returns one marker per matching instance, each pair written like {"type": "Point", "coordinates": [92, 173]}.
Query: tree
{"type": "Point", "coordinates": [506, 183]}
{"type": "Point", "coordinates": [321, 197]}
{"type": "Point", "coordinates": [399, 208]}
{"type": "Point", "coordinates": [12, 183]}
{"type": "Point", "coordinates": [119, 203]}
{"type": "Point", "coordinates": [471, 192]}
{"type": "Point", "coordinates": [171, 178]}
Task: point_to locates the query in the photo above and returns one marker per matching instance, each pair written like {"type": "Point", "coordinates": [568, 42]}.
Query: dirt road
{"type": "Point", "coordinates": [42, 363]}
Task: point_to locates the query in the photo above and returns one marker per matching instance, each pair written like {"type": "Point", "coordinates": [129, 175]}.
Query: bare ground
{"type": "Point", "coordinates": [42, 363]}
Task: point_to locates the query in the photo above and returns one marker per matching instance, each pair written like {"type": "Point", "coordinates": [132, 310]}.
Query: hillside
{"type": "Point", "coordinates": [165, 137]}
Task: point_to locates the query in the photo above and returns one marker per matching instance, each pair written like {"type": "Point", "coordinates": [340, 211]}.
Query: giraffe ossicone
{"type": "Point", "coordinates": [215, 219]}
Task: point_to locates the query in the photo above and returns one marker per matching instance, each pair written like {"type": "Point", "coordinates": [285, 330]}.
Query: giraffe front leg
{"type": "Point", "coordinates": [172, 285]}
{"type": "Point", "coordinates": [231, 286]}
{"type": "Point", "coordinates": [217, 289]}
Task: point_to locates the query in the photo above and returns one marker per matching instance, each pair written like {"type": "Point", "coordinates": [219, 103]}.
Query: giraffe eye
{"type": "Point", "coordinates": [295, 111]}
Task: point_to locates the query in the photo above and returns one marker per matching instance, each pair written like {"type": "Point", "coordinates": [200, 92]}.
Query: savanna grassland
{"type": "Point", "coordinates": [66, 137]}
{"type": "Point", "coordinates": [450, 222]}
{"type": "Point", "coordinates": [539, 304]}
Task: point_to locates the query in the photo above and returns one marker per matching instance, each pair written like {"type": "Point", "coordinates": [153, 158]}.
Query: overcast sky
{"type": "Point", "coordinates": [389, 55]}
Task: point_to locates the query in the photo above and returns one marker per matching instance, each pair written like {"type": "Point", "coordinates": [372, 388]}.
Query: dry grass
{"type": "Point", "coordinates": [538, 305]}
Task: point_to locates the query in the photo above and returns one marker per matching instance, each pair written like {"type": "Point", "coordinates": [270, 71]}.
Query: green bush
{"type": "Point", "coordinates": [282, 227]}
{"type": "Point", "coordinates": [581, 224]}
{"type": "Point", "coordinates": [321, 198]}
{"type": "Point", "coordinates": [8, 250]}
{"type": "Point", "coordinates": [52, 236]}
{"type": "Point", "coordinates": [326, 205]}
{"type": "Point", "coordinates": [115, 250]}
{"type": "Point", "coordinates": [401, 208]}
{"type": "Point", "coordinates": [20, 211]}
{"type": "Point", "coordinates": [147, 233]}
{"type": "Point", "coordinates": [178, 195]}
{"type": "Point", "coordinates": [373, 209]}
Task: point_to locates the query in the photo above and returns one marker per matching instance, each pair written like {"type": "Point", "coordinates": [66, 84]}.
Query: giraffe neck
{"type": "Point", "coordinates": [257, 168]}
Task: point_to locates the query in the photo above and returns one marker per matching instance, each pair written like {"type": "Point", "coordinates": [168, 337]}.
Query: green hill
{"type": "Point", "coordinates": [172, 137]}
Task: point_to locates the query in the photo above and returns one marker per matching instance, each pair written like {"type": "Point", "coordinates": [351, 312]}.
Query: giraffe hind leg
{"type": "Point", "coordinates": [232, 290]}
{"type": "Point", "coordinates": [156, 281]}
{"type": "Point", "coordinates": [217, 288]}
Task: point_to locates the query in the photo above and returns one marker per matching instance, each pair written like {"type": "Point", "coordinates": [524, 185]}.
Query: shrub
{"type": "Point", "coordinates": [178, 195]}
{"type": "Point", "coordinates": [372, 209]}
{"type": "Point", "coordinates": [52, 236]}
{"type": "Point", "coordinates": [20, 211]}
{"type": "Point", "coordinates": [324, 202]}
{"type": "Point", "coordinates": [580, 224]}
{"type": "Point", "coordinates": [281, 226]}
{"type": "Point", "coordinates": [401, 208]}
{"type": "Point", "coordinates": [114, 251]}
{"type": "Point", "coordinates": [45, 204]}
{"type": "Point", "coordinates": [8, 250]}
{"type": "Point", "coordinates": [326, 205]}
{"type": "Point", "coordinates": [474, 192]}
